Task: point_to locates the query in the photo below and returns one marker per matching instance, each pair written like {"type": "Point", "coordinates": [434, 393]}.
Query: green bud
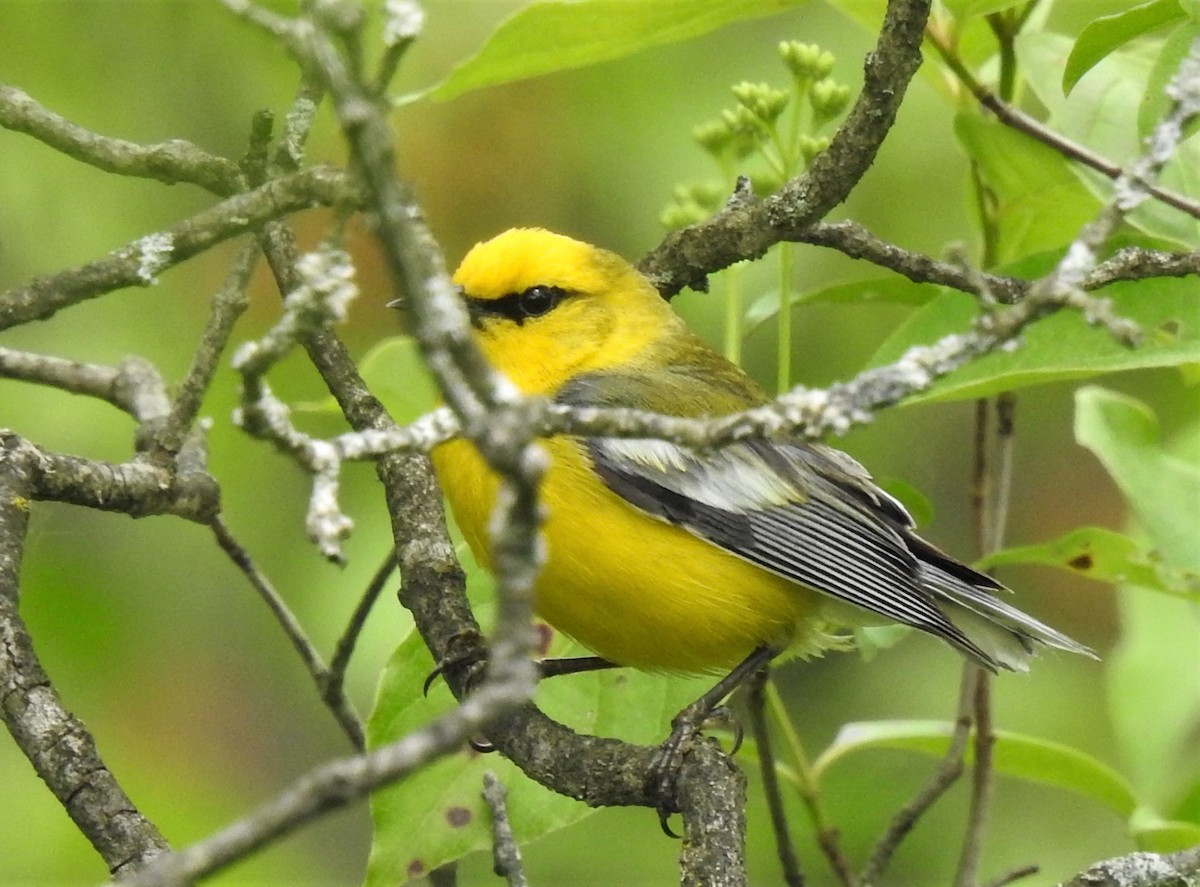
{"type": "Point", "coordinates": [744, 122]}
{"type": "Point", "coordinates": [714, 136]}
{"type": "Point", "coordinates": [805, 61]}
{"type": "Point", "coordinates": [680, 215]}
{"type": "Point", "coordinates": [829, 99]}
{"type": "Point", "coordinates": [766, 182]}
{"type": "Point", "coordinates": [707, 195]}
{"type": "Point", "coordinates": [761, 100]}
{"type": "Point", "coordinates": [810, 147]}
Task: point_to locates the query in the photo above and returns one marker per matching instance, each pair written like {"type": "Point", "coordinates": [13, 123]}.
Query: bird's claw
{"type": "Point", "coordinates": [466, 651]}
{"type": "Point", "coordinates": [667, 758]}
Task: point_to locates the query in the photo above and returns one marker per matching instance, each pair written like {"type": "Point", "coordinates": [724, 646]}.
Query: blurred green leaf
{"type": "Point", "coordinates": [556, 36]}
{"type": "Point", "coordinates": [893, 289]}
{"type": "Point", "coordinates": [1162, 490]}
{"type": "Point", "coordinates": [1025, 757]}
{"type": "Point", "coordinates": [1153, 675]}
{"type": "Point", "coordinates": [1108, 32]}
{"type": "Point", "coordinates": [1155, 102]}
{"type": "Point", "coordinates": [963, 9]}
{"type": "Point", "coordinates": [437, 815]}
{"type": "Point", "coordinates": [1097, 114]}
{"type": "Point", "coordinates": [867, 13]}
{"type": "Point", "coordinates": [1153, 834]}
{"type": "Point", "coordinates": [1061, 347]}
{"type": "Point", "coordinates": [1104, 555]}
{"type": "Point", "coordinates": [1039, 202]}
{"type": "Point", "coordinates": [396, 374]}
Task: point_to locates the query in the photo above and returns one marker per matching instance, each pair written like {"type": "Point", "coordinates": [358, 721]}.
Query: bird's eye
{"type": "Point", "coordinates": [539, 300]}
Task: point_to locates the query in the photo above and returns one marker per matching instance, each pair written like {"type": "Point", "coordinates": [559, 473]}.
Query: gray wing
{"type": "Point", "coordinates": [809, 514]}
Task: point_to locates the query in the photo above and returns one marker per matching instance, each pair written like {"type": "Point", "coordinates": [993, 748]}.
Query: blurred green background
{"type": "Point", "coordinates": [197, 701]}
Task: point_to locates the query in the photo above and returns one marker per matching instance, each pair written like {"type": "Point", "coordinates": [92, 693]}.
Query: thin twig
{"type": "Point", "coordinates": [341, 707]}
{"type": "Point", "coordinates": [506, 855]}
{"type": "Point", "coordinates": [1031, 126]}
{"type": "Point", "coordinates": [139, 263]}
{"type": "Point", "coordinates": [1015, 875]}
{"type": "Point", "coordinates": [789, 862]}
{"type": "Point", "coordinates": [982, 781]}
{"type": "Point", "coordinates": [981, 482]}
{"type": "Point", "coordinates": [947, 772]}
{"type": "Point", "coordinates": [828, 836]}
{"type": "Point", "coordinates": [174, 161]}
{"type": "Point", "coordinates": [1006, 409]}
{"type": "Point", "coordinates": [227, 306]}
{"type": "Point", "coordinates": [344, 649]}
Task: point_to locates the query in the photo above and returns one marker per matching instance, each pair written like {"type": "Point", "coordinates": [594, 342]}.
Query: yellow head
{"type": "Point", "coordinates": [546, 308]}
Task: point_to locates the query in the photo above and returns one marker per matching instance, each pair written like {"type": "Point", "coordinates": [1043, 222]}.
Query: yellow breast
{"type": "Point", "coordinates": [634, 589]}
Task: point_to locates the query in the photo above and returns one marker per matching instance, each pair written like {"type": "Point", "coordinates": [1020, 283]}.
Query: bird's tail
{"type": "Point", "coordinates": [1000, 636]}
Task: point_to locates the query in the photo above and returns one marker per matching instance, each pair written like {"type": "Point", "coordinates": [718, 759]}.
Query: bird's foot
{"type": "Point", "coordinates": [664, 767]}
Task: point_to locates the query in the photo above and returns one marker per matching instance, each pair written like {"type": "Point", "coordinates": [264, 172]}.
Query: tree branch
{"type": "Point", "coordinates": [746, 229]}
{"type": "Point", "coordinates": [170, 162]}
{"type": "Point", "coordinates": [139, 263]}
{"type": "Point", "coordinates": [56, 742]}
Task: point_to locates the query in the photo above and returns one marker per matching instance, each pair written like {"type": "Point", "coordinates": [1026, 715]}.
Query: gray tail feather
{"type": "Point", "coordinates": [1005, 636]}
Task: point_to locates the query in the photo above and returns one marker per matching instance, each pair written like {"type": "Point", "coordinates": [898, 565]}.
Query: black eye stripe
{"type": "Point", "coordinates": [519, 307]}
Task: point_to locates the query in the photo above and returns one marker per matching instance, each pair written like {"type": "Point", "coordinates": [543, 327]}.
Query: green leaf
{"type": "Point", "coordinates": [1103, 555]}
{"type": "Point", "coordinates": [1040, 203]}
{"type": "Point", "coordinates": [1161, 489]}
{"type": "Point", "coordinates": [1108, 32]}
{"type": "Point", "coordinates": [555, 36]}
{"type": "Point", "coordinates": [963, 9]}
{"type": "Point", "coordinates": [1155, 103]}
{"type": "Point", "coordinates": [396, 374]}
{"type": "Point", "coordinates": [1096, 114]}
{"type": "Point", "coordinates": [1154, 673]}
{"type": "Point", "coordinates": [1060, 347]}
{"type": "Point", "coordinates": [893, 290]}
{"type": "Point", "coordinates": [436, 815]}
{"type": "Point", "coordinates": [867, 13]}
{"type": "Point", "coordinates": [1025, 757]}
{"type": "Point", "coordinates": [1166, 836]}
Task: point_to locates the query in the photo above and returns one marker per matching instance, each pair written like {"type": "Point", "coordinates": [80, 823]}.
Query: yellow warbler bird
{"type": "Point", "coordinates": [665, 558]}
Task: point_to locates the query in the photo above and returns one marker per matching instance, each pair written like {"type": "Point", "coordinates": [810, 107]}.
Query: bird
{"type": "Point", "coordinates": [673, 559]}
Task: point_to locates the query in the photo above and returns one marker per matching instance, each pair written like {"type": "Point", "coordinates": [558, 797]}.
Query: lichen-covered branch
{"type": "Point", "coordinates": [748, 228]}
{"type": "Point", "coordinates": [56, 742]}
{"type": "Point", "coordinates": [170, 162]}
{"type": "Point", "coordinates": [139, 263]}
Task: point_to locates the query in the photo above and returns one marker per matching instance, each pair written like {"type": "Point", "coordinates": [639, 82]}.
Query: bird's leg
{"type": "Point", "coordinates": [552, 668]}
{"type": "Point", "coordinates": [469, 652]}
{"type": "Point", "coordinates": [664, 766]}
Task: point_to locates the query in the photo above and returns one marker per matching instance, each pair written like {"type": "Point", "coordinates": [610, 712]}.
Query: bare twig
{"type": "Point", "coordinates": [170, 162]}
{"type": "Point", "coordinates": [946, 774]}
{"type": "Point", "coordinates": [344, 649]}
{"type": "Point", "coordinates": [227, 307]}
{"type": "Point", "coordinates": [756, 702]}
{"type": "Point", "coordinates": [506, 855]}
{"type": "Point", "coordinates": [139, 487]}
{"type": "Point", "coordinates": [1013, 876]}
{"type": "Point", "coordinates": [1014, 117]}
{"type": "Point", "coordinates": [982, 780]}
{"type": "Point", "coordinates": [827, 834]}
{"type": "Point", "coordinates": [341, 707]}
{"type": "Point", "coordinates": [140, 262]}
